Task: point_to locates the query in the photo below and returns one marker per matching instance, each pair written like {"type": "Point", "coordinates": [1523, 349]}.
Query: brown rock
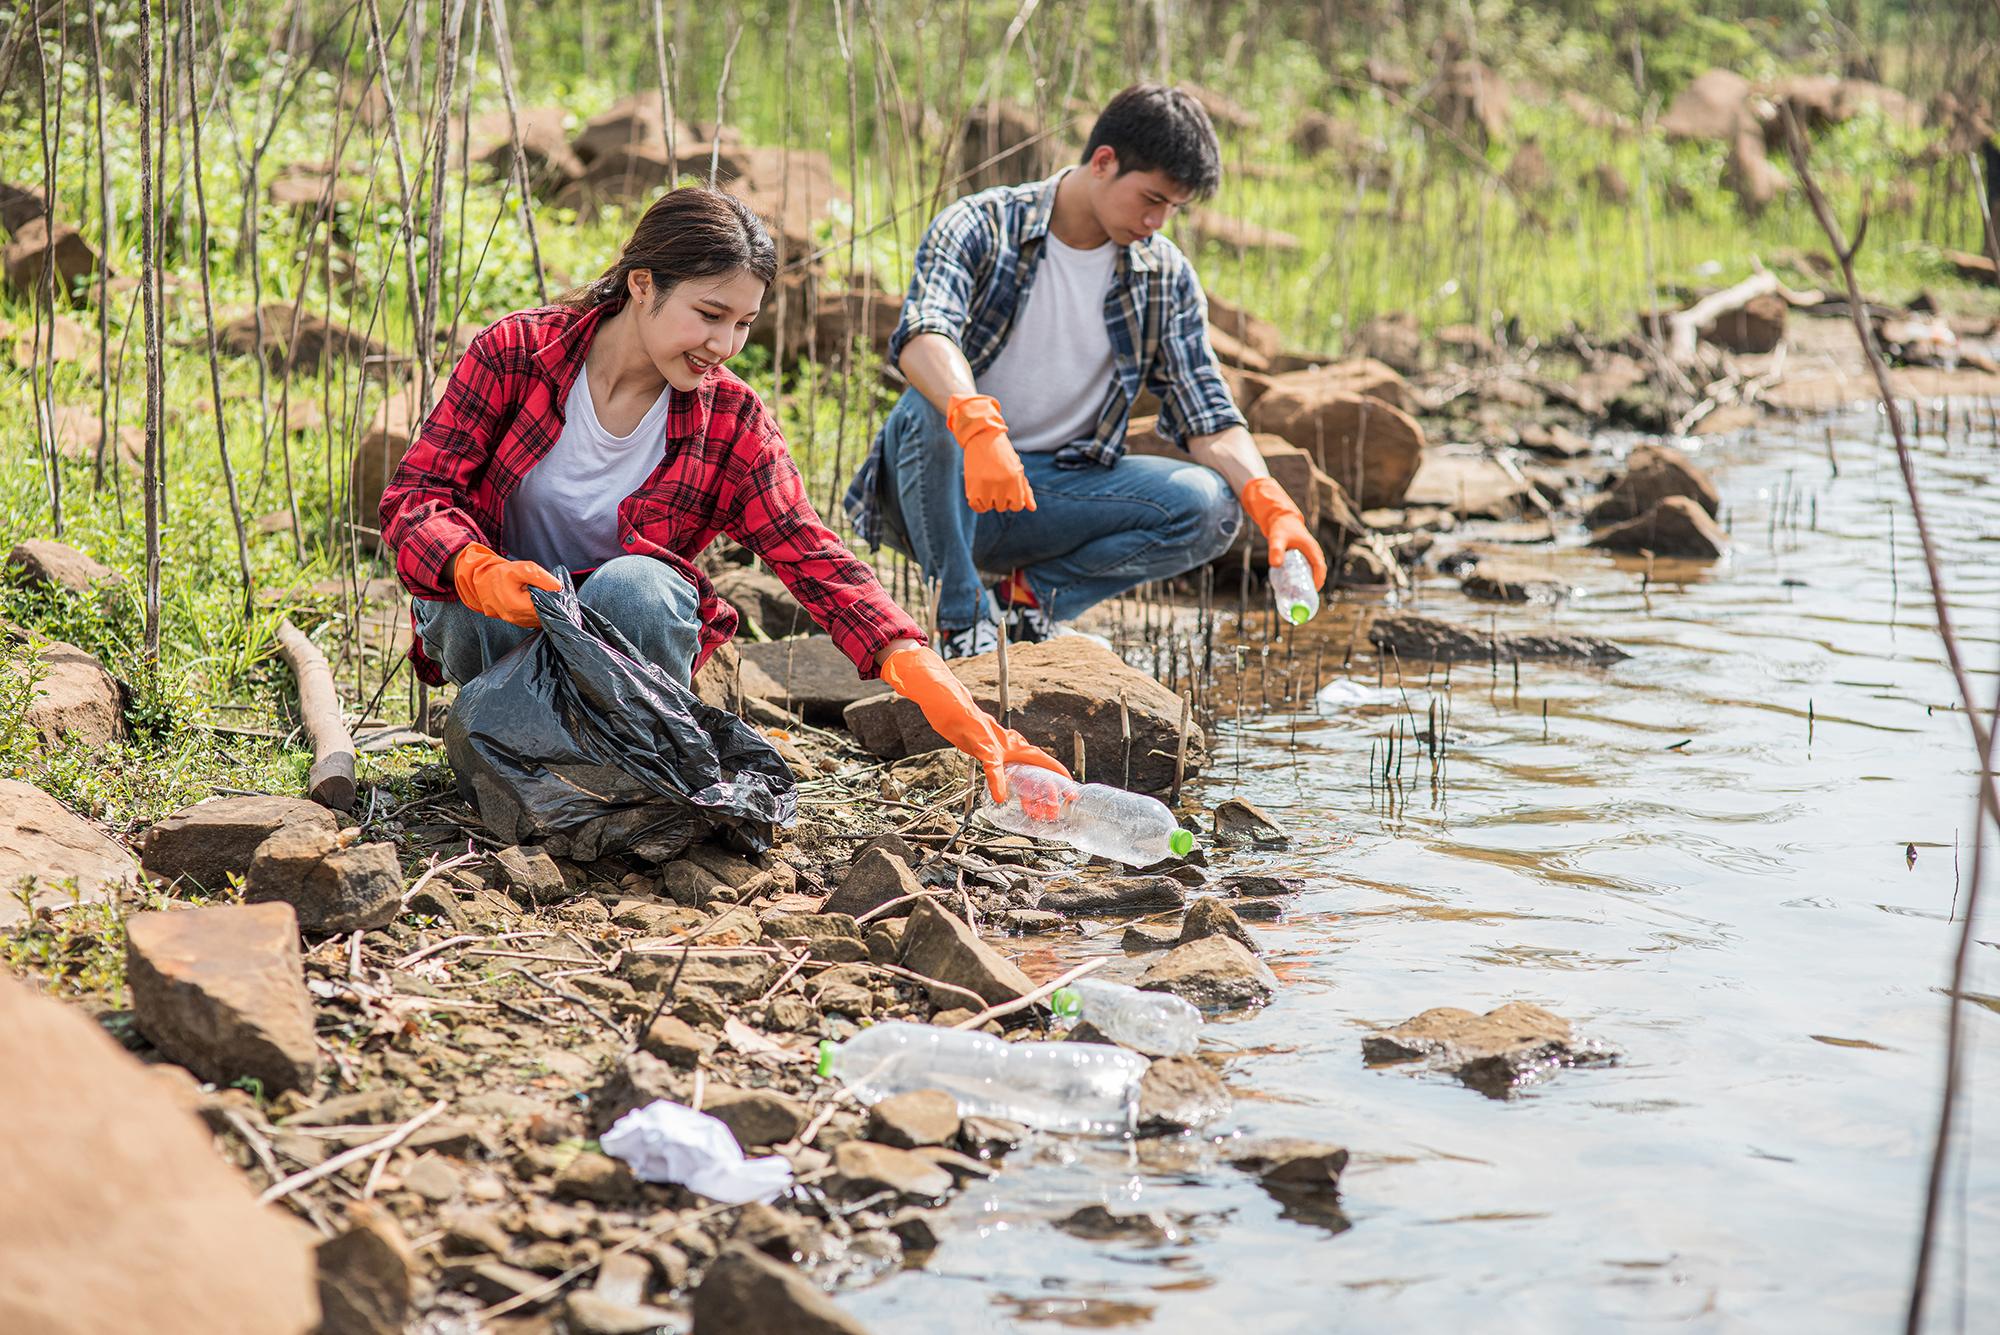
{"type": "Point", "coordinates": [1558, 441]}
{"type": "Point", "coordinates": [1496, 581]}
{"type": "Point", "coordinates": [1144, 936]}
{"type": "Point", "coordinates": [222, 991]}
{"type": "Point", "coordinates": [1291, 1163]}
{"type": "Point", "coordinates": [1156, 894]}
{"type": "Point", "coordinates": [1241, 821]}
{"type": "Point", "coordinates": [1708, 108]}
{"type": "Point", "coordinates": [920, 1117]}
{"type": "Point", "coordinates": [586, 1312]}
{"type": "Point", "coordinates": [1001, 144]}
{"type": "Point", "coordinates": [633, 121]}
{"type": "Point", "coordinates": [863, 316]}
{"type": "Point", "coordinates": [332, 888]}
{"type": "Point", "coordinates": [19, 204]}
{"type": "Point", "coordinates": [1420, 639]}
{"type": "Point", "coordinates": [119, 1203]}
{"type": "Point", "coordinates": [726, 976]}
{"type": "Point", "coordinates": [531, 876]}
{"type": "Point", "coordinates": [1610, 184]}
{"type": "Point", "coordinates": [676, 1042]}
{"type": "Point", "coordinates": [1652, 474]}
{"type": "Point", "coordinates": [1209, 916]}
{"type": "Point", "coordinates": [938, 945]}
{"type": "Point", "coordinates": [315, 341]}
{"type": "Point", "coordinates": [1237, 234]}
{"type": "Point", "coordinates": [809, 676]}
{"type": "Point", "coordinates": [1100, 1223]}
{"type": "Point", "coordinates": [391, 427]}
{"type": "Point", "coordinates": [44, 844]}
{"type": "Point", "coordinates": [1364, 565]}
{"type": "Point", "coordinates": [865, 1168]}
{"type": "Point", "coordinates": [34, 249]}
{"type": "Point", "coordinates": [690, 884]}
{"type": "Point", "coordinates": [1180, 1094]}
{"type": "Point", "coordinates": [1676, 526]}
{"type": "Point", "coordinates": [1057, 689]}
{"type": "Point", "coordinates": [639, 1079]}
{"type": "Point", "coordinates": [874, 878]}
{"type": "Point", "coordinates": [1528, 171]}
{"type": "Point", "coordinates": [1363, 443]}
{"type": "Point", "coordinates": [756, 1116]}
{"type": "Point", "coordinates": [1470, 486]}
{"type": "Point", "coordinates": [1215, 973]}
{"type": "Point", "coordinates": [1755, 327]}
{"type": "Point", "coordinates": [548, 160]}
{"type": "Point", "coordinates": [762, 600]}
{"type": "Point", "coordinates": [1494, 1053]}
{"type": "Point", "coordinates": [209, 842]}
{"type": "Point", "coordinates": [367, 1276]}
{"type": "Point", "coordinates": [1252, 331]}
{"type": "Point", "coordinates": [748, 1293]}
{"type": "Point", "coordinates": [597, 1178]}
{"type": "Point", "coordinates": [42, 563]}
{"type": "Point", "coordinates": [75, 698]}
{"type": "Point", "coordinates": [1473, 100]}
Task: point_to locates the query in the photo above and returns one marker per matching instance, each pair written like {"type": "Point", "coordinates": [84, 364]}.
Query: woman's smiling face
{"type": "Point", "coordinates": [701, 324]}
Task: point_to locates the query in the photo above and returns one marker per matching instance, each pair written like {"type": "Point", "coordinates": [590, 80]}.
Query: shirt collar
{"type": "Point", "coordinates": [1042, 211]}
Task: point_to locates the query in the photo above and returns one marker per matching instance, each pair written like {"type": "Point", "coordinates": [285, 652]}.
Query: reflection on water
{"type": "Point", "coordinates": [1703, 856]}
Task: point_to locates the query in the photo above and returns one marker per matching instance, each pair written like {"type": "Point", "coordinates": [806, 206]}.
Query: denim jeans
{"type": "Point", "coordinates": [1093, 534]}
{"type": "Point", "coordinates": [648, 600]}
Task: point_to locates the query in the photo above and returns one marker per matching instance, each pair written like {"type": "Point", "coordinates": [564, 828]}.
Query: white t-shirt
{"type": "Point", "coordinates": [565, 512]}
{"type": "Point", "coordinates": [1054, 371]}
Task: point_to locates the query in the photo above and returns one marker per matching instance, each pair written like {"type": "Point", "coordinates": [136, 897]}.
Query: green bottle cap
{"type": "Point", "coordinates": [1300, 614]}
{"type": "Point", "coordinates": [1182, 842]}
{"type": "Point", "coordinates": [826, 1051]}
{"type": "Point", "coordinates": [1065, 1002]}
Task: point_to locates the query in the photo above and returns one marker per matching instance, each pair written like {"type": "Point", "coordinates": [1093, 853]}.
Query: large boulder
{"type": "Point", "coordinates": [809, 676]}
{"type": "Point", "coordinates": [1708, 109]}
{"type": "Point", "coordinates": [75, 698]}
{"type": "Point", "coordinates": [35, 248]}
{"type": "Point", "coordinates": [1056, 689]}
{"type": "Point", "coordinates": [206, 844]}
{"type": "Point", "coordinates": [1652, 474]}
{"type": "Point", "coordinates": [44, 844]}
{"type": "Point", "coordinates": [222, 991]}
{"type": "Point", "coordinates": [43, 563]}
{"type": "Point", "coordinates": [121, 1216]}
{"type": "Point", "coordinates": [1677, 526]}
{"type": "Point", "coordinates": [1369, 447]}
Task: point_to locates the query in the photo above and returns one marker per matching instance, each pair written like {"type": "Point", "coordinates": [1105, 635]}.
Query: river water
{"type": "Point", "coordinates": [1733, 857]}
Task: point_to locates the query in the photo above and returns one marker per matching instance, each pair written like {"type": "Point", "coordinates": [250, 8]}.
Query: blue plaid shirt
{"type": "Point", "coordinates": [972, 274]}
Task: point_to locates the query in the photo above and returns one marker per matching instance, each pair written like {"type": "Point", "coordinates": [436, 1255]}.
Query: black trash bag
{"type": "Point", "coordinates": [575, 742]}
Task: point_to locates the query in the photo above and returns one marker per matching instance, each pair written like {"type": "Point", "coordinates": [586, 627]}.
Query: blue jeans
{"type": "Point", "coordinates": [657, 609]}
{"type": "Point", "coordinates": [1093, 534]}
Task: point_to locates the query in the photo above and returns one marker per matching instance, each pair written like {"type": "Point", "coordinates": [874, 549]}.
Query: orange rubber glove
{"type": "Point", "coordinates": [1283, 526]}
{"type": "Point", "coordinates": [920, 676]}
{"type": "Point", "coordinates": [490, 584]}
{"type": "Point", "coordinates": [994, 478]}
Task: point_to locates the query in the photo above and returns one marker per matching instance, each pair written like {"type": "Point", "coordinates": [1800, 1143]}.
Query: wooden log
{"type": "Point", "coordinates": [330, 782]}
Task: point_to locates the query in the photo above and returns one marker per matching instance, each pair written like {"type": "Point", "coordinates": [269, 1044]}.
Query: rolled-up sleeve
{"type": "Point", "coordinates": [955, 252]}
{"type": "Point", "coordinates": [426, 508]}
{"type": "Point", "coordinates": [1194, 398]}
{"type": "Point", "coordinates": [767, 511]}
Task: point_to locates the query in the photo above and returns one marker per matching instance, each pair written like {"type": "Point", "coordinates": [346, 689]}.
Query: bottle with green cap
{"type": "Point", "coordinates": [1292, 588]}
{"type": "Point", "coordinates": [1158, 1024]}
{"type": "Point", "coordinates": [1109, 822]}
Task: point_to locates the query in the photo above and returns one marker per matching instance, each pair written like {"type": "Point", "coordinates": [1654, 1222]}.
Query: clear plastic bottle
{"type": "Point", "coordinates": [1292, 589]}
{"type": "Point", "coordinates": [1156, 1023]}
{"type": "Point", "coordinates": [1088, 1088]}
{"type": "Point", "coordinates": [1110, 822]}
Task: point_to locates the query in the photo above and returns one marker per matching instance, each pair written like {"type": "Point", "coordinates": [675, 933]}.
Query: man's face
{"type": "Point", "coordinates": [1135, 205]}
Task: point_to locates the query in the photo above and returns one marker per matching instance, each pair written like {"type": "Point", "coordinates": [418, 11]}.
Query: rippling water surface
{"type": "Point", "coordinates": [1758, 918]}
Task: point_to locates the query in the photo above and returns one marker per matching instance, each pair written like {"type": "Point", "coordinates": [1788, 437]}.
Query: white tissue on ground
{"type": "Point", "coordinates": [671, 1142]}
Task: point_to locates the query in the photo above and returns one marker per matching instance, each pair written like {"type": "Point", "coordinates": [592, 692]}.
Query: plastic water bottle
{"type": "Point", "coordinates": [1110, 822]}
{"type": "Point", "coordinates": [1292, 589]}
{"type": "Point", "coordinates": [1089, 1088]}
{"type": "Point", "coordinates": [1153, 1022]}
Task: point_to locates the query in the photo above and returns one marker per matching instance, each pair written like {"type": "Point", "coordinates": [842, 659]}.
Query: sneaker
{"type": "Point", "coordinates": [1031, 625]}
{"type": "Point", "coordinates": [982, 637]}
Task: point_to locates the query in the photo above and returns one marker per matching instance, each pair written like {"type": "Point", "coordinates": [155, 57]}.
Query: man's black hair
{"type": "Point", "coordinates": [1154, 128]}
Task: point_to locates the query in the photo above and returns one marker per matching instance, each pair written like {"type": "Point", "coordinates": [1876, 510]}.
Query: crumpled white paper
{"type": "Point", "coordinates": [671, 1142]}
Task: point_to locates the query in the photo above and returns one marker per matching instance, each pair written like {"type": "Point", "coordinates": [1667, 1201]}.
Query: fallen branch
{"type": "Point", "coordinates": [277, 1191]}
{"type": "Point", "coordinates": [330, 782]}
{"type": "Point", "coordinates": [1047, 989]}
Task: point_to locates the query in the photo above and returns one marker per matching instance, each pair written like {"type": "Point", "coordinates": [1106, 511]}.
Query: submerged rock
{"type": "Point", "coordinates": [865, 1168]}
{"type": "Point", "coordinates": [1180, 1094]}
{"type": "Point", "coordinates": [1417, 639]}
{"type": "Point", "coordinates": [1676, 526]}
{"type": "Point", "coordinates": [1652, 474]}
{"type": "Point", "coordinates": [1157, 895]}
{"type": "Point", "coordinates": [1100, 1223]}
{"type": "Point", "coordinates": [1495, 1053]}
{"type": "Point", "coordinates": [1209, 916]}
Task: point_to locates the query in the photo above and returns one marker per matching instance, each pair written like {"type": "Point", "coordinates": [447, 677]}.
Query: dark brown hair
{"type": "Point", "coordinates": [1154, 128]}
{"type": "Point", "coordinates": [692, 232]}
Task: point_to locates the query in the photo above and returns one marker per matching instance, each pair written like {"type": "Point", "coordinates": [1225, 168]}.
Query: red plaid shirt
{"type": "Point", "coordinates": [725, 469]}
